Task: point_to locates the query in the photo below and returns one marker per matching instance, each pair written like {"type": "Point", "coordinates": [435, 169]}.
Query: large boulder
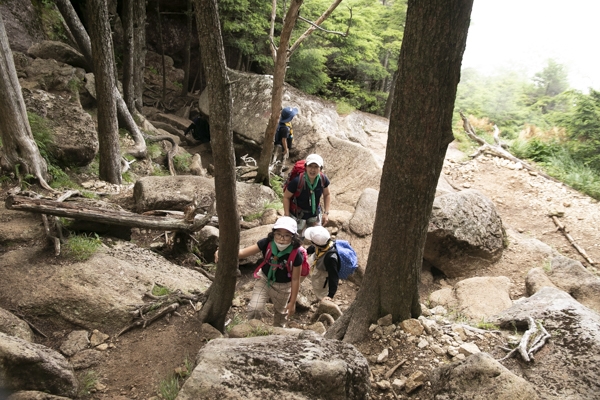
{"type": "Point", "coordinates": [175, 192]}
{"type": "Point", "coordinates": [50, 49]}
{"type": "Point", "coordinates": [465, 233]}
{"type": "Point", "coordinates": [363, 219]}
{"type": "Point", "coordinates": [23, 24]}
{"type": "Point", "coordinates": [479, 377]}
{"type": "Point", "coordinates": [571, 361]}
{"type": "Point", "coordinates": [30, 366]}
{"type": "Point", "coordinates": [97, 293]}
{"type": "Point", "coordinates": [13, 326]}
{"type": "Point", "coordinates": [306, 366]}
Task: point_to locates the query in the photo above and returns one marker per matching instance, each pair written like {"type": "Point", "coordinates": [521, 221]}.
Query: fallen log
{"type": "Point", "coordinates": [96, 214]}
{"type": "Point", "coordinates": [563, 229]}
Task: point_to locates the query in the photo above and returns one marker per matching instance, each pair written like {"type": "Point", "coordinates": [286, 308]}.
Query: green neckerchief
{"type": "Point", "coordinates": [276, 256]}
{"type": "Point", "coordinates": [312, 188]}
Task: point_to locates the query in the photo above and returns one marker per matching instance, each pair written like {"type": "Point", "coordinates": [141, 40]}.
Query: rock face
{"type": "Point", "coordinates": [49, 49]}
{"type": "Point", "coordinates": [479, 377]}
{"type": "Point", "coordinates": [465, 232]}
{"type": "Point", "coordinates": [13, 326]}
{"type": "Point", "coordinates": [572, 359]}
{"type": "Point", "coordinates": [30, 366]}
{"type": "Point", "coordinates": [278, 367]}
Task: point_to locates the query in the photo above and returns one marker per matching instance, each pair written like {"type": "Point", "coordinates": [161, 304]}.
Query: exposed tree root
{"type": "Point", "coordinates": [533, 339]}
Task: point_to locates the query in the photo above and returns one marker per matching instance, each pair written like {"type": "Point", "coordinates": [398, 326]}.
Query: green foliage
{"type": "Point", "coordinates": [152, 70]}
{"type": "Point", "coordinates": [87, 382]}
{"type": "Point", "coordinates": [236, 320]}
{"type": "Point", "coordinates": [154, 150]}
{"type": "Point", "coordinates": [276, 205]}
{"type": "Point", "coordinates": [159, 171]}
{"type": "Point", "coordinates": [82, 247]}
{"type": "Point", "coordinates": [51, 19]}
{"type": "Point", "coordinates": [159, 290]}
{"type": "Point", "coordinates": [182, 162]}
{"type": "Point", "coordinates": [42, 134]}
{"type": "Point", "coordinates": [307, 70]}
{"type": "Point", "coordinates": [483, 324]}
{"type": "Point", "coordinates": [253, 217]}
{"type": "Point", "coordinates": [574, 173]}
{"type": "Point", "coordinates": [277, 186]}
{"type": "Point", "coordinates": [128, 177]}
{"type": "Point", "coordinates": [60, 180]}
{"type": "Point", "coordinates": [259, 331]}
{"type": "Point", "coordinates": [169, 388]}
{"type": "Point", "coordinates": [343, 108]}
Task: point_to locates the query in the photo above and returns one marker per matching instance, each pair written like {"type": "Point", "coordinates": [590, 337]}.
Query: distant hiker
{"type": "Point", "coordinates": [324, 263]}
{"type": "Point", "coordinates": [278, 281]}
{"type": "Point", "coordinates": [302, 194]}
{"type": "Point", "coordinates": [284, 136]}
{"type": "Point", "coordinates": [200, 129]}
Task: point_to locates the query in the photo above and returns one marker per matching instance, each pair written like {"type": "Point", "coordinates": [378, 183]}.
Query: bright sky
{"type": "Point", "coordinates": [524, 34]}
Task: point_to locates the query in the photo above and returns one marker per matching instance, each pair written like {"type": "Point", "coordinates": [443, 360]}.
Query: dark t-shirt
{"type": "Point", "coordinates": [283, 132]}
{"type": "Point", "coordinates": [332, 264]}
{"type": "Point", "coordinates": [281, 274]}
{"type": "Point", "coordinates": [303, 201]}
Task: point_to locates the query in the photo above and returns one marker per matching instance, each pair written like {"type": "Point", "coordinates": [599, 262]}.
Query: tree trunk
{"type": "Point", "coordinates": [139, 47]}
{"type": "Point", "coordinates": [281, 59]}
{"type": "Point", "coordinates": [419, 134]}
{"type": "Point", "coordinates": [222, 290]}
{"type": "Point", "coordinates": [85, 47]}
{"type": "Point", "coordinates": [19, 150]}
{"type": "Point", "coordinates": [162, 52]}
{"type": "Point", "coordinates": [188, 48]}
{"type": "Point", "coordinates": [128, 51]}
{"type": "Point", "coordinates": [108, 127]}
{"type": "Point", "coordinates": [390, 99]}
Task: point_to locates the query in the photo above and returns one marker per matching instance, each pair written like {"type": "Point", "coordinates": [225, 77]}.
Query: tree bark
{"type": "Point", "coordinates": [419, 134]}
{"type": "Point", "coordinates": [188, 48]}
{"type": "Point", "coordinates": [18, 152]}
{"type": "Point", "coordinates": [281, 59]}
{"type": "Point", "coordinates": [139, 55]}
{"type": "Point", "coordinates": [222, 290]}
{"type": "Point", "coordinates": [128, 52]}
{"type": "Point", "coordinates": [83, 42]}
{"type": "Point", "coordinates": [162, 52]}
{"type": "Point", "coordinates": [108, 127]}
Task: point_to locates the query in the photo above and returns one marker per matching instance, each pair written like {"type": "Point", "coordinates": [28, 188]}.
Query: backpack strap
{"type": "Point", "coordinates": [268, 255]}
{"type": "Point", "coordinates": [291, 259]}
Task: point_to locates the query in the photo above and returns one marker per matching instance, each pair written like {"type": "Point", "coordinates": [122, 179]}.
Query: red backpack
{"type": "Point", "coordinates": [298, 171]}
{"type": "Point", "coordinates": [290, 264]}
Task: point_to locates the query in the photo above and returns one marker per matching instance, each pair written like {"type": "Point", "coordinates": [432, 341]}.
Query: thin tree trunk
{"type": "Point", "coordinates": [385, 65]}
{"type": "Point", "coordinates": [83, 41]}
{"type": "Point", "coordinates": [108, 127]}
{"type": "Point", "coordinates": [390, 99]}
{"type": "Point", "coordinates": [139, 57]}
{"type": "Point", "coordinates": [419, 134]}
{"type": "Point", "coordinates": [19, 150]}
{"type": "Point", "coordinates": [188, 47]}
{"type": "Point", "coordinates": [162, 52]}
{"type": "Point", "coordinates": [222, 290]}
{"type": "Point", "coordinates": [128, 51]}
{"type": "Point", "coordinates": [281, 59]}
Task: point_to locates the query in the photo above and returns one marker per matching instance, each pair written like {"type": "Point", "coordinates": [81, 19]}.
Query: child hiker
{"type": "Point", "coordinates": [324, 263]}
{"type": "Point", "coordinates": [277, 280]}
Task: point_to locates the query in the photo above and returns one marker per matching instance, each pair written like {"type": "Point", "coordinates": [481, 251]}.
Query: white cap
{"type": "Point", "coordinates": [314, 159]}
{"type": "Point", "coordinates": [318, 235]}
{"type": "Point", "coordinates": [287, 223]}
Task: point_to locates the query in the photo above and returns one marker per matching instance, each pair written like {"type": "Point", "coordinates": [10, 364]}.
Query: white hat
{"type": "Point", "coordinates": [287, 223]}
{"type": "Point", "coordinates": [318, 235]}
{"type": "Point", "coordinates": [314, 159]}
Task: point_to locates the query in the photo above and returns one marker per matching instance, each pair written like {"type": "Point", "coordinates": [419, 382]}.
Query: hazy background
{"type": "Point", "coordinates": [524, 34]}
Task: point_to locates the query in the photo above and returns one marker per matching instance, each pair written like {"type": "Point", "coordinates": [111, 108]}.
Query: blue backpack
{"type": "Point", "coordinates": [347, 257]}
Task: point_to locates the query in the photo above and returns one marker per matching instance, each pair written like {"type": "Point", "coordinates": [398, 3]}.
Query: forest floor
{"type": "Point", "coordinates": [143, 359]}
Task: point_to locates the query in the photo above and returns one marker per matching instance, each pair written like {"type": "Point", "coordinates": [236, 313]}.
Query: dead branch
{"type": "Point", "coordinates": [96, 214]}
{"type": "Point", "coordinates": [389, 374]}
{"type": "Point", "coordinates": [147, 321]}
{"type": "Point", "coordinates": [533, 339]}
{"type": "Point", "coordinates": [497, 150]}
{"type": "Point", "coordinates": [32, 326]}
{"type": "Point", "coordinates": [563, 229]}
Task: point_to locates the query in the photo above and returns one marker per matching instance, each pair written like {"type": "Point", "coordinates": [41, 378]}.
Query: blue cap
{"type": "Point", "coordinates": [287, 114]}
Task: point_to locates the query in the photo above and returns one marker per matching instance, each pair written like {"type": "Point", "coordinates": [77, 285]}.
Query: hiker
{"type": "Point", "coordinates": [284, 136]}
{"type": "Point", "coordinates": [275, 282]}
{"type": "Point", "coordinates": [324, 263]}
{"type": "Point", "coordinates": [200, 129]}
{"type": "Point", "coordinates": [305, 206]}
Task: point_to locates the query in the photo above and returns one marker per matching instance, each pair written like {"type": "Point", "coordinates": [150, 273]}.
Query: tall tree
{"type": "Point", "coordinates": [222, 290]}
{"type": "Point", "coordinates": [281, 56]}
{"type": "Point", "coordinates": [128, 54]}
{"type": "Point", "coordinates": [19, 151]}
{"type": "Point", "coordinates": [187, 51]}
{"type": "Point", "coordinates": [108, 127]}
{"type": "Point", "coordinates": [139, 51]}
{"type": "Point", "coordinates": [419, 133]}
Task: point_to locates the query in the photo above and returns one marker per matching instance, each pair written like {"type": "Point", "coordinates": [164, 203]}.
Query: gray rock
{"type": "Point", "coordinates": [31, 366]}
{"type": "Point", "coordinates": [58, 51]}
{"type": "Point", "coordinates": [364, 215]}
{"type": "Point", "coordinates": [465, 233]}
{"type": "Point", "coordinates": [13, 326]}
{"type": "Point", "coordinates": [305, 366]}
{"type": "Point", "coordinates": [34, 395]}
{"type": "Point", "coordinates": [86, 359]}
{"type": "Point", "coordinates": [482, 297]}
{"type": "Point", "coordinates": [479, 377]}
{"type": "Point", "coordinates": [75, 342]}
